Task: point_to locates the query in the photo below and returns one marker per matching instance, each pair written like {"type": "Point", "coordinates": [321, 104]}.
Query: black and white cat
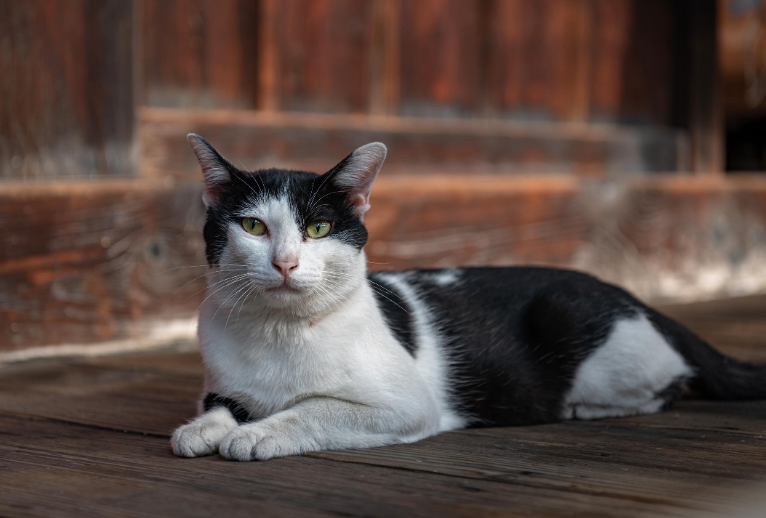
{"type": "Point", "coordinates": [304, 350]}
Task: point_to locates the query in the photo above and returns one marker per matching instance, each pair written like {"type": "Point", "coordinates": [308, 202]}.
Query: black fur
{"type": "Point", "coordinates": [395, 310]}
{"type": "Point", "coordinates": [213, 400]}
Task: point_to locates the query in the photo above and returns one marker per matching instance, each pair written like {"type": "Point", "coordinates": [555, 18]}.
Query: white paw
{"type": "Point", "coordinates": [200, 437]}
{"type": "Point", "coordinates": [254, 442]}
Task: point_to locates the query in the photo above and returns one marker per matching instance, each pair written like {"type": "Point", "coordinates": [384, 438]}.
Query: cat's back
{"type": "Point", "coordinates": [499, 335]}
{"type": "Point", "coordinates": [479, 290]}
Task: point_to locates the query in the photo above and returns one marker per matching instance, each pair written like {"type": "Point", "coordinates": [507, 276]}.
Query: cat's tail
{"type": "Point", "coordinates": [717, 376]}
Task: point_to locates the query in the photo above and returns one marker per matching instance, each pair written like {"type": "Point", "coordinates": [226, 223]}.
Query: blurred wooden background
{"type": "Point", "coordinates": [586, 133]}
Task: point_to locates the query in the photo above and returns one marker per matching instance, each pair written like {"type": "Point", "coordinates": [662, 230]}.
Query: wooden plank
{"type": "Point", "coordinates": [416, 145]}
{"type": "Point", "coordinates": [321, 50]}
{"type": "Point", "coordinates": [97, 262]}
{"type": "Point", "coordinates": [441, 58]}
{"type": "Point", "coordinates": [66, 99]}
{"type": "Point", "coordinates": [142, 394]}
{"type": "Point", "coordinates": [91, 264]}
{"type": "Point", "coordinates": [536, 59]}
{"type": "Point", "coordinates": [385, 57]}
{"type": "Point", "coordinates": [199, 53]}
{"type": "Point", "coordinates": [625, 55]}
{"type": "Point", "coordinates": [122, 465]}
{"type": "Point", "coordinates": [705, 113]}
{"type": "Point", "coordinates": [741, 53]}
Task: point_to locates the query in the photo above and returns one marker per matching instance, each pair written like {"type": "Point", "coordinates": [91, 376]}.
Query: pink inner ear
{"type": "Point", "coordinates": [361, 204]}
{"type": "Point", "coordinates": [209, 197]}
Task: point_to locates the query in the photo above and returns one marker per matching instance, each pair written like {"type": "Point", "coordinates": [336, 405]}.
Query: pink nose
{"type": "Point", "coordinates": [285, 267]}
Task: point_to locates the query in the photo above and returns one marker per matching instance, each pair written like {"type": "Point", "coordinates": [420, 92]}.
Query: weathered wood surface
{"type": "Point", "coordinates": [90, 438]}
{"type": "Point", "coordinates": [201, 53]}
{"type": "Point", "coordinates": [66, 94]}
{"type": "Point", "coordinates": [554, 60]}
{"type": "Point", "coordinates": [416, 145]}
{"type": "Point", "coordinates": [94, 264]}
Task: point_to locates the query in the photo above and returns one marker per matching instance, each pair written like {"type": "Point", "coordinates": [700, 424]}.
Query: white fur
{"type": "Point", "coordinates": [446, 277]}
{"type": "Point", "coordinates": [624, 375]}
{"type": "Point", "coordinates": [320, 364]}
{"type": "Point", "coordinates": [203, 434]}
{"type": "Point", "coordinates": [431, 361]}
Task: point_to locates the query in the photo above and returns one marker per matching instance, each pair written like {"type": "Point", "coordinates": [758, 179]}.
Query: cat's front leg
{"type": "Point", "coordinates": [203, 434]}
{"type": "Point", "coordinates": [324, 423]}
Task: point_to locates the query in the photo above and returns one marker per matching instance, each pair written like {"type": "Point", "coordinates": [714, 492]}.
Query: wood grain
{"type": "Point", "coordinates": [322, 53]}
{"type": "Point", "coordinates": [91, 264]}
{"type": "Point", "coordinates": [199, 53]}
{"type": "Point", "coordinates": [95, 262]}
{"type": "Point", "coordinates": [66, 95]}
{"type": "Point", "coordinates": [315, 142]}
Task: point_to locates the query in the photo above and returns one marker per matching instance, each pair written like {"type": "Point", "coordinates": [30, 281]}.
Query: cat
{"type": "Point", "coordinates": [304, 350]}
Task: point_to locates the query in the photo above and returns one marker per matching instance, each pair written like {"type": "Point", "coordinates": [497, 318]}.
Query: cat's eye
{"type": "Point", "coordinates": [254, 226]}
{"type": "Point", "coordinates": [317, 229]}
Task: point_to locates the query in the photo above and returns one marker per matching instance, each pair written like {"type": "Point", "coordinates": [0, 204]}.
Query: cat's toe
{"type": "Point", "coordinates": [254, 443]}
{"type": "Point", "coordinates": [240, 444]}
{"type": "Point", "coordinates": [269, 447]}
{"type": "Point", "coordinates": [197, 439]}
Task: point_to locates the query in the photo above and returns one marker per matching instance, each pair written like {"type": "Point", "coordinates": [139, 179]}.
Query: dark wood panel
{"type": "Point", "coordinates": [66, 95]}
{"type": "Point", "coordinates": [538, 59]}
{"type": "Point", "coordinates": [89, 263]}
{"type": "Point", "coordinates": [705, 115]}
{"type": "Point", "coordinates": [322, 51]}
{"type": "Point", "coordinates": [200, 53]}
{"type": "Point", "coordinates": [633, 59]}
{"type": "Point", "coordinates": [442, 54]}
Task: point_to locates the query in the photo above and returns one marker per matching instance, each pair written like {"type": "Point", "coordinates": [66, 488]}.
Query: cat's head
{"type": "Point", "coordinates": [286, 240]}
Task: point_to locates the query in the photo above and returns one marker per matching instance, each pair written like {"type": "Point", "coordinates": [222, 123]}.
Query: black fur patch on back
{"type": "Point", "coordinates": [313, 198]}
{"type": "Point", "coordinates": [395, 310]}
{"type": "Point", "coordinates": [515, 336]}
{"type": "Point", "coordinates": [240, 413]}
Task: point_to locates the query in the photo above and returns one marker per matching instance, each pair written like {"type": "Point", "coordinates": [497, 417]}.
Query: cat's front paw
{"type": "Point", "coordinates": [255, 442]}
{"type": "Point", "coordinates": [200, 437]}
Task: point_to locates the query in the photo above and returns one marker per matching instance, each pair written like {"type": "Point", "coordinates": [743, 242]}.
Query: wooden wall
{"type": "Point", "coordinates": [554, 60]}
{"type": "Point", "coordinates": [470, 95]}
{"type": "Point", "coordinates": [66, 89]}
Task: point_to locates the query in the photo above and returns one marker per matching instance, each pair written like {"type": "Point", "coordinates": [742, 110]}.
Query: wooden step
{"type": "Point", "coordinates": [316, 142]}
{"type": "Point", "coordinates": [95, 263]}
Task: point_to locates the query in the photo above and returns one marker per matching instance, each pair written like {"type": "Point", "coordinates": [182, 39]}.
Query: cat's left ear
{"type": "Point", "coordinates": [216, 170]}
{"type": "Point", "coordinates": [356, 173]}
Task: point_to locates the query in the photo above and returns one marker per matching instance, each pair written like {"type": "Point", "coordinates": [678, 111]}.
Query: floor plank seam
{"type": "Point", "coordinates": [29, 417]}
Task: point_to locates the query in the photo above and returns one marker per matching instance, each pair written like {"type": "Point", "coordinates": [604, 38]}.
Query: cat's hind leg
{"type": "Point", "coordinates": [635, 371]}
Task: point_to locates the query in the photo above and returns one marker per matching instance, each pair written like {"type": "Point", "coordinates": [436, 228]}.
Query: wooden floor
{"type": "Point", "coordinates": [89, 437]}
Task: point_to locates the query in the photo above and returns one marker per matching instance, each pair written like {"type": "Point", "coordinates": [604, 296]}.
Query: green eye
{"type": "Point", "coordinates": [254, 226]}
{"type": "Point", "coordinates": [318, 229]}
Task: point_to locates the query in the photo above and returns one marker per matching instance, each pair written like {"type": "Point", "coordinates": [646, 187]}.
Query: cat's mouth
{"type": "Point", "coordinates": [283, 288]}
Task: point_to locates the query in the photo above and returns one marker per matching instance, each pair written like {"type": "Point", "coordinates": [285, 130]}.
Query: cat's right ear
{"type": "Point", "coordinates": [216, 170]}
